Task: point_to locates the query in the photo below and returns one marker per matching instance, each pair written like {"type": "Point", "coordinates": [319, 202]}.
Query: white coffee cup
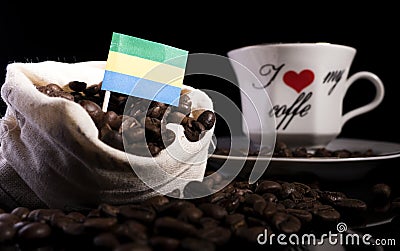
{"type": "Point", "coordinates": [306, 83]}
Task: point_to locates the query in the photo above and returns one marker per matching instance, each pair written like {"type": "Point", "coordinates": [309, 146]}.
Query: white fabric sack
{"type": "Point", "coordinates": [52, 143]}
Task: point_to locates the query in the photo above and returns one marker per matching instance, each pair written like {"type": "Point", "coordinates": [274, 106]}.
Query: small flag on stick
{"type": "Point", "coordinates": [144, 69]}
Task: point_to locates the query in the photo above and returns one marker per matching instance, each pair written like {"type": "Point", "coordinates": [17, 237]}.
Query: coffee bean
{"type": "Point", "coordinates": [235, 221]}
{"type": "Point", "coordinates": [250, 234]}
{"type": "Point", "coordinates": [99, 223]}
{"type": "Point", "coordinates": [21, 212]}
{"type": "Point", "coordinates": [207, 119]}
{"type": "Point", "coordinates": [113, 119]}
{"type": "Point", "coordinates": [218, 235]}
{"type": "Point", "coordinates": [7, 232]}
{"type": "Point", "coordinates": [215, 211]}
{"type": "Point", "coordinates": [268, 186]}
{"type": "Point", "coordinates": [191, 215]}
{"type": "Point", "coordinates": [381, 193]}
{"type": "Point", "coordinates": [92, 90]}
{"type": "Point", "coordinates": [145, 214]}
{"type": "Point", "coordinates": [173, 227]}
{"type": "Point", "coordinates": [131, 247]}
{"type": "Point", "coordinates": [193, 244]}
{"type": "Point", "coordinates": [131, 230]}
{"type": "Point", "coordinates": [94, 111]}
{"type": "Point", "coordinates": [34, 231]}
{"type": "Point", "coordinates": [108, 210]}
{"type": "Point", "coordinates": [106, 240]}
{"type": "Point", "coordinates": [350, 204]}
{"type": "Point", "coordinates": [9, 218]}
{"type": "Point", "coordinates": [156, 201]}
{"type": "Point", "coordinates": [326, 213]}
{"type": "Point", "coordinates": [303, 215]}
{"type": "Point", "coordinates": [162, 243]}
{"type": "Point", "coordinates": [286, 223]}
{"type": "Point", "coordinates": [77, 86]}
{"type": "Point", "coordinates": [195, 189]}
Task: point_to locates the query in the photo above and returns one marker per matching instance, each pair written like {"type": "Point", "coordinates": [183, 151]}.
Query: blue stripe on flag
{"type": "Point", "coordinates": [141, 87]}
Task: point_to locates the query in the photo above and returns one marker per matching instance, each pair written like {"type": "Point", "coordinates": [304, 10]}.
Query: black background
{"type": "Point", "coordinates": [70, 32]}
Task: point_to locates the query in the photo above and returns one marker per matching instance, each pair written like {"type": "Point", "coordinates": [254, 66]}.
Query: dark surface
{"type": "Point", "coordinates": [67, 32]}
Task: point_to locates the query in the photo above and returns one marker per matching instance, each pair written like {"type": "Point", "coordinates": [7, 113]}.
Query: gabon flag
{"type": "Point", "coordinates": [144, 69]}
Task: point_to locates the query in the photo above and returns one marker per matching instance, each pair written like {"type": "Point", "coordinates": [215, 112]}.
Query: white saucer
{"type": "Point", "coordinates": [325, 167]}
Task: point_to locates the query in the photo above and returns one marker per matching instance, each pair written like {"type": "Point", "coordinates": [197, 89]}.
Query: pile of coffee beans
{"type": "Point", "coordinates": [135, 125]}
{"type": "Point", "coordinates": [281, 149]}
{"type": "Point", "coordinates": [233, 217]}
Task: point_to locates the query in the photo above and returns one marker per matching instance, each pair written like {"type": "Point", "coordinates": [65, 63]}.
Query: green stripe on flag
{"type": "Point", "coordinates": [149, 50]}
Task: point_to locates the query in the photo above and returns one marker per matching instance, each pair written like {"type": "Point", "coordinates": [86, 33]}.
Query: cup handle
{"type": "Point", "coordinates": [380, 91]}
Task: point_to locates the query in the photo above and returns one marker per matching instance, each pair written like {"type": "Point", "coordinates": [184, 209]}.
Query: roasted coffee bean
{"type": "Point", "coordinates": [77, 86]}
{"type": "Point", "coordinates": [341, 153]}
{"type": "Point", "coordinates": [21, 212]}
{"type": "Point", "coordinates": [162, 243]}
{"type": "Point", "coordinates": [270, 209]}
{"type": "Point", "coordinates": [257, 202]}
{"type": "Point", "coordinates": [108, 210]}
{"type": "Point", "coordinates": [54, 87]}
{"type": "Point", "coordinates": [215, 211]}
{"type": "Point", "coordinates": [250, 234]}
{"type": "Point", "coordinates": [331, 197]}
{"type": "Point", "coordinates": [207, 119]}
{"type": "Point", "coordinates": [350, 204]}
{"type": "Point", "coordinates": [156, 201]}
{"type": "Point", "coordinates": [111, 137]}
{"type": "Point", "coordinates": [99, 223]}
{"type": "Point", "coordinates": [94, 111]}
{"type": "Point", "coordinates": [301, 152]}
{"type": "Point", "coordinates": [235, 221]}
{"type": "Point", "coordinates": [322, 152]}
{"type": "Point", "coordinates": [193, 244]}
{"type": "Point", "coordinates": [34, 231]}
{"type": "Point", "coordinates": [268, 186]}
{"type": "Point", "coordinates": [73, 229]}
{"type": "Point", "coordinates": [145, 214]}
{"type": "Point", "coordinates": [92, 90]}
{"type": "Point", "coordinates": [381, 193]}
{"type": "Point", "coordinates": [303, 215]}
{"type": "Point", "coordinates": [191, 133]}
{"type": "Point", "coordinates": [218, 235]}
{"type": "Point", "coordinates": [286, 223]}
{"type": "Point", "coordinates": [270, 197]}
{"type": "Point", "coordinates": [195, 189]}
{"type": "Point", "coordinates": [113, 119]}
{"type": "Point", "coordinates": [287, 189]}
{"type": "Point", "coordinates": [60, 221]}
{"type": "Point", "coordinates": [106, 240]}
{"type": "Point", "coordinates": [76, 216]}
{"type": "Point", "coordinates": [9, 218]}
{"type": "Point", "coordinates": [208, 222]}
{"type": "Point", "coordinates": [7, 232]}
{"type": "Point", "coordinates": [326, 213]}
{"type": "Point", "coordinates": [131, 230]}
{"type": "Point", "coordinates": [153, 128]}
{"type": "Point", "coordinates": [191, 215]}
{"type": "Point", "coordinates": [132, 246]}
{"type": "Point", "coordinates": [173, 227]}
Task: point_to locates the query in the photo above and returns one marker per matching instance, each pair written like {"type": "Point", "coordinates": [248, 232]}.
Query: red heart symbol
{"type": "Point", "coordinates": [298, 81]}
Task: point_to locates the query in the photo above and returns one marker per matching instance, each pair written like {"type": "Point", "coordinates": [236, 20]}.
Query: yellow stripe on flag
{"type": "Point", "coordinates": [144, 68]}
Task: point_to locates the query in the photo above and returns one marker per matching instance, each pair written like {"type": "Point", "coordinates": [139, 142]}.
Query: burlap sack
{"type": "Point", "coordinates": [53, 145]}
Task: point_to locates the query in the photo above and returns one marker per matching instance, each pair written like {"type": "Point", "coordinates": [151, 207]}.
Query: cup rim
{"type": "Point", "coordinates": [292, 44]}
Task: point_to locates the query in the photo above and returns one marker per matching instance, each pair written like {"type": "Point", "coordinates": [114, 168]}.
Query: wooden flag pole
{"type": "Point", "coordinates": [106, 100]}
